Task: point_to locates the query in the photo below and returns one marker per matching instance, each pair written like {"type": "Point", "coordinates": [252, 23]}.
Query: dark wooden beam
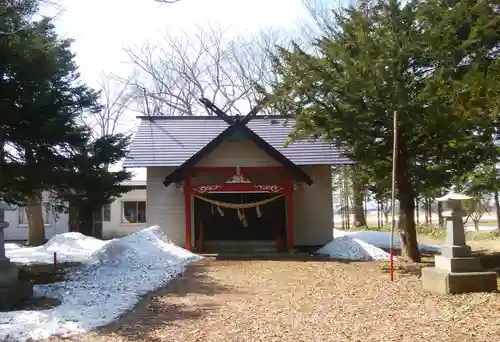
{"type": "Point", "coordinates": [254, 111]}
{"type": "Point", "coordinates": [217, 111]}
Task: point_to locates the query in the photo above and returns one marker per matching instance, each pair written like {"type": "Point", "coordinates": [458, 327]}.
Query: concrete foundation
{"type": "Point", "coordinates": [455, 265]}
{"type": "Point", "coordinates": [443, 282]}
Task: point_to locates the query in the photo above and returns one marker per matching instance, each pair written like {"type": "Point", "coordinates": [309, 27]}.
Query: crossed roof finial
{"type": "Point", "coordinates": [237, 118]}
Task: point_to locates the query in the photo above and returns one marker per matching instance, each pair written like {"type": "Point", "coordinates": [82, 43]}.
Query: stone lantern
{"type": "Point", "coordinates": [456, 270]}
{"type": "Point", "coordinates": [11, 290]}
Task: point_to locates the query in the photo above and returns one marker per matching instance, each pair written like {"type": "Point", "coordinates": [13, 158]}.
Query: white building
{"type": "Point", "coordinates": [18, 223]}
{"type": "Point", "coordinates": [115, 223]}
{"type": "Point", "coordinates": [216, 181]}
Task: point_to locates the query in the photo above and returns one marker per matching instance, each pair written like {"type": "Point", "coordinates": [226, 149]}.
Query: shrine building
{"type": "Point", "coordinates": [218, 181]}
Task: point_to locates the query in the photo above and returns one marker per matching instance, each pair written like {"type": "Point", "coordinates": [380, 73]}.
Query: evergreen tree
{"type": "Point", "coordinates": [41, 96]}
{"type": "Point", "coordinates": [420, 60]}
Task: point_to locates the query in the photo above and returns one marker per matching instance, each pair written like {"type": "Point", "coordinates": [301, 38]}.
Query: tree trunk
{"type": "Point", "coordinates": [407, 227]}
{"type": "Point", "coordinates": [429, 209]}
{"type": "Point", "coordinates": [347, 206]}
{"type": "Point", "coordinates": [34, 209]}
{"type": "Point", "coordinates": [440, 214]}
{"type": "Point", "coordinates": [359, 213]}
{"type": "Point", "coordinates": [333, 216]}
{"type": "Point", "coordinates": [417, 204]}
{"type": "Point", "coordinates": [365, 197]}
{"type": "Point", "coordinates": [476, 224]}
{"type": "Point", "coordinates": [387, 210]}
{"type": "Point", "coordinates": [497, 207]}
{"type": "Point", "coordinates": [73, 218]}
{"type": "Point", "coordinates": [86, 220]}
{"type": "Point", "coordinates": [426, 210]}
{"type": "Point", "coordinates": [379, 218]}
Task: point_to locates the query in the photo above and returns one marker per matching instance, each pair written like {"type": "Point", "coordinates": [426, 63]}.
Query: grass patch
{"type": "Point", "coordinates": [482, 235]}
{"type": "Point", "coordinates": [36, 303]}
{"type": "Point", "coordinates": [28, 276]}
{"type": "Point", "coordinates": [44, 274]}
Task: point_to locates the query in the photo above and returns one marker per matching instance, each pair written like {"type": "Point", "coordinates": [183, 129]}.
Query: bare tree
{"type": "Point", "coordinates": [173, 74]}
{"type": "Point", "coordinates": [321, 14]}
{"type": "Point", "coordinates": [116, 97]}
{"type": "Point", "coordinates": [319, 20]}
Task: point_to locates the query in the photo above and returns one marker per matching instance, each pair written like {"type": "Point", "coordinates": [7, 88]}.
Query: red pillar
{"type": "Point", "coordinates": [187, 206]}
{"type": "Point", "coordinates": [289, 213]}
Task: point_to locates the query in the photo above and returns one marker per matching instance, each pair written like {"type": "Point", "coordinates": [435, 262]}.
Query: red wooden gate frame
{"type": "Point", "coordinates": [199, 189]}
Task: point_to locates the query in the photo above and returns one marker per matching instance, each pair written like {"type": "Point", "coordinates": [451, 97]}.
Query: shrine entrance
{"type": "Point", "coordinates": [221, 223]}
{"type": "Point", "coordinates": [239, 211]}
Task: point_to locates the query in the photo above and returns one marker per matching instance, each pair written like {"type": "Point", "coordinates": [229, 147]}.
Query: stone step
{"type": "Point", "coordinates": [254, 247]}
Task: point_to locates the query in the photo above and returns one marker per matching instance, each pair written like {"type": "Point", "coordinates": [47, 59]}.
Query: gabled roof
{"type": "Point", "coordinates": [172, 140]}
{"type": "Point", "coordinates": [178, 173]}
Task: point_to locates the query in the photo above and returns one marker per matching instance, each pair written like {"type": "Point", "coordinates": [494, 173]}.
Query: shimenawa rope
{"type": "Point", "coordinates": [236, 205]}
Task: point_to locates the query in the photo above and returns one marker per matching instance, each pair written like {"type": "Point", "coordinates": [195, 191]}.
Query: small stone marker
{"type": "Point", "coordinates": [456, 270]}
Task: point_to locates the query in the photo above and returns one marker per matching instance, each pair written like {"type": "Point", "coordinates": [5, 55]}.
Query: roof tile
{"type": "Point", "coordinates": [169, 141]}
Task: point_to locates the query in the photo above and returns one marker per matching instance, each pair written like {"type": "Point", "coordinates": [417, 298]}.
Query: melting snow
{"type": "Point", "coordinates": [352, 249]}
{"type": "Point", "coordinates": [364, 245]}
{"type": "Point", "coordinates": [113, 277]}
{"type": "Point", "coordinates": [69, 247]}
{"type": "Point", "coordinates": [380, 239]}
{"type": "Point", "coordinates": [11, 246]}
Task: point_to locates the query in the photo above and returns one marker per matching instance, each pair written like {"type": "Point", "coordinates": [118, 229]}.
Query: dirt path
{"type": "Point", "coordinates": [302, 301]}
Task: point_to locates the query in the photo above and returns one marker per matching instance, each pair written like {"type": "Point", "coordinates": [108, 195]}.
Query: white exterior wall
{"type": "Point", "coordinates": [165, 205]}
{"type": "Point", "coordinates": [313, 212]}
{"type": "Point", "coordinates": [238, 153]}
{"type": "Point", "coordinates": [115, 227]}
{"type": "Point", "coordinates": [111, 229]}
{"type": "Point", "coordinates": [16, 231]}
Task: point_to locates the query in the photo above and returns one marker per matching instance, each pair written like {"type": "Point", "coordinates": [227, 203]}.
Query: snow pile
{"type": "Point", "coordinates": [352, 249]}
{"type": "Point", "coordinates": [109, 284]}
{"type": "Point", "coordinates": [381, 239]}
{"type": "Point", "coordinates": [11, 246]}
{"type": "Point", "coordinates": [69, 247]}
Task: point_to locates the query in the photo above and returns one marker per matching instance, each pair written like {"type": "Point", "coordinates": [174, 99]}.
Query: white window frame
{"type": "Point", "coordinates": [109, 209]}
{"type": "Point", "coordinates": [122, 210]}
{"type": "Point", "coordinates": [48, 218]}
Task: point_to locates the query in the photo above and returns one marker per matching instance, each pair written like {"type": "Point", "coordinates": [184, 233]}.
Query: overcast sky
{"type": "Point", "coordinates": [101, 28]}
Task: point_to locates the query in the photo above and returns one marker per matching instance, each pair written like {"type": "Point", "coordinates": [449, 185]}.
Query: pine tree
{"type": "Point", "coordinates": [420, 60]}
{"type": "Point", "coordinates": [41, 97]}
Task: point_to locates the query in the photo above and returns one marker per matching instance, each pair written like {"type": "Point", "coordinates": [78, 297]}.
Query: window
{"type": "Point", "coordinates": [46, 214]}
{"type": "Point", "coordinates": [134, 212]}
{"type": "Point", "coordinates": [106, 213]}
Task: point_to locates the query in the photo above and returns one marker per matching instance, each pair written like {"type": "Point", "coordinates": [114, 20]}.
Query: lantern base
{"type": "Point", "coordinates": [12, 291]}
{"type": "Point", "coordinates": [443, 282]}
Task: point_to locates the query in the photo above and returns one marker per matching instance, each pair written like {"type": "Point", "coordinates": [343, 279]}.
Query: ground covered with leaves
{"type": "Point", "coordinates": [303, 301]}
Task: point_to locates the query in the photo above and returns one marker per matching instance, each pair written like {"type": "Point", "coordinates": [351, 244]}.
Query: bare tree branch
{"type": "Point", "coordinates": [173, 74]}
{"type": "Point", "coordinates": [116, 97]}
{"type": "Point", "coordinates": [321, 12]}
